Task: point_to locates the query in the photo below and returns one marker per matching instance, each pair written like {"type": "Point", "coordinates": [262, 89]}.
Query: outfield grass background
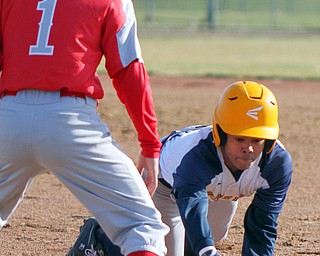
{"type": "Point", "coordinates": [263, 39]}
{"type": "Point", "coordinates": [287, 56]}
{"type": "Point", "coordinates": [230, 14]}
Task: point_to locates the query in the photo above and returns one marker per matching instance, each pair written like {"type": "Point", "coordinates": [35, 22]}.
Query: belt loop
{"type": "Point", "coordinates": [2, 94]}
{"type": "Point", "coordinates": [91, 101]}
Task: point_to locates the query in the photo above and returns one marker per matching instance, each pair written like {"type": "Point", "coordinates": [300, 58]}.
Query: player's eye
{"type": "Point", "coordinates": [258, 141]}
{"type": "Point", "coordinates": [239, 139]}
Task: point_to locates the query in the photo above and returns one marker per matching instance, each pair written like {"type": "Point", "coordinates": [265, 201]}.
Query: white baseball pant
{"type": "Point", "coordinates": [220, 215]}
{"type": "Point", "coordinates": [42, 131]}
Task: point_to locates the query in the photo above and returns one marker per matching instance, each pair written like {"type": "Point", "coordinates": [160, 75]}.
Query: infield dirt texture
{"type": "Point", "coordinates": [47, 221]}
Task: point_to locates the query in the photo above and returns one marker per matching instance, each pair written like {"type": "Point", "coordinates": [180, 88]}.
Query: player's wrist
{"type": "Point", "coordinates": [209, 251]}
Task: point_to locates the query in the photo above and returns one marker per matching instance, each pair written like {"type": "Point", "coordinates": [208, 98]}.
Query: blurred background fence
{"type": "Point", "coordinates": [228, 15]}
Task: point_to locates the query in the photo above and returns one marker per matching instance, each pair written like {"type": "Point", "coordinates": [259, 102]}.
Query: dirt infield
{"type": "Point", "coordinates": [48, 219]}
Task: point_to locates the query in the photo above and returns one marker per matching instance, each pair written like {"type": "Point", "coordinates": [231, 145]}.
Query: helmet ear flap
{"type": "Point", "coordinates": [222, 135]}
{"type": "Point", "coordinates": [268, 146]}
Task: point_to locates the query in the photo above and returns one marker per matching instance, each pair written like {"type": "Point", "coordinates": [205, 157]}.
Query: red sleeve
{"type": "Point", "coordinates": [134, 91]}
{"type": "Point", "coordinates": [1, 44]}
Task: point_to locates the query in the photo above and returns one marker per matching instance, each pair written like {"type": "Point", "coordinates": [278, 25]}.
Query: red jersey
{"type": "Point", "coordinates": [57, 44]}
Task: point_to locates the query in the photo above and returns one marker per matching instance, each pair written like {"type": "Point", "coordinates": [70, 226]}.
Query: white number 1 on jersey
{"type": "Point", "coordinates": [42, 48]}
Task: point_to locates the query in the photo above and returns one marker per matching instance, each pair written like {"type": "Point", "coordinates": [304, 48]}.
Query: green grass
{"type": "Point", "coordinates": [230, 14]}
{"type": "Point", "coordinates": [296, 57]}
{"type": "Point", "coordinates": [235, 48]}
{"type": "Point", "coordinates": [252, 38]}
{"type": "Point", "coordinates": [269, 21]}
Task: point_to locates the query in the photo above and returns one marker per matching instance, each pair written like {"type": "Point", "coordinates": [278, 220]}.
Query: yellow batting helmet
{"type": "Point", "coordinates": [247, 109]}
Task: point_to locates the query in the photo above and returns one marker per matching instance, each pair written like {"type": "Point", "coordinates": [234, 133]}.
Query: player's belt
{"type": "Point", "coordinates": [163, 182]}
{"type": "Point", "coordinates": [63, 93]}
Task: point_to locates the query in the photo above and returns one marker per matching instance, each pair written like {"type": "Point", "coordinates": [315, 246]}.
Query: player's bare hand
{"type": "Point", "coordinates": [151, 166]}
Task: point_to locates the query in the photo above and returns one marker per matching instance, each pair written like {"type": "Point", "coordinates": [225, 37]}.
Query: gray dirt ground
{"type": "Point", "coordinates": [48, 219]}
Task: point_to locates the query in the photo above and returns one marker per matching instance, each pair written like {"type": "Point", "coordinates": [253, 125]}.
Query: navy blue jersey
{"type": "Point", "coordinates": [195, 168]}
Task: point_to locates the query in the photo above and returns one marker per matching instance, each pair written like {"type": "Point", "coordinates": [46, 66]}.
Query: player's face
{"type": "Point", "coordinates": [240, 152]}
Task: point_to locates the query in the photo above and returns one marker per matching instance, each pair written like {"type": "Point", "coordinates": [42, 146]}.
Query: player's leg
{"type": "Point", "coordinates": [170, 216]}
{"type": "Point", "coordinates": [93, 240]}
{"type": "Point", "coordinates": [108, 245]}
{"type": "Point", "coordinates": [220, 215]}
{"type": "Point", "coordinates": [174, 240]}
{"type": "Point", "coordinates": [18, 167]}
{"type": "Point", "coordinates": [81, 153]}
{"type": "Point", "coordinates": [13, 185]}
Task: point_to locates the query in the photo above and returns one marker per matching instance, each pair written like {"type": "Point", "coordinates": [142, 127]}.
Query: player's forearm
{"type": "Point", "coordinates": [193, 207]}
{"type": "Point", "coordinates": [133, 89]}
{"type": "Point", "coordinates": [260, 232]}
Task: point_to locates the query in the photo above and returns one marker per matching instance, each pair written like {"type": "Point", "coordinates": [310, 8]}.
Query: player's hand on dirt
{"type": "Point", "coordinates": [151, 166]}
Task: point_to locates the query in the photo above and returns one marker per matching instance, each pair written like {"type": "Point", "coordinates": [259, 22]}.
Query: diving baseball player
{"type": "Point", "coordinates": [206, 170]}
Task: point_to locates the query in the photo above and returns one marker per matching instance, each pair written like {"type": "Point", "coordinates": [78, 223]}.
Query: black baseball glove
{"type": "Point", "coordinates": [88, 243]}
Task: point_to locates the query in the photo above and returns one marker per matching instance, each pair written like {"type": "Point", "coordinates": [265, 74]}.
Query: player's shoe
{"type": "Point", "coordinates": [87, 243]}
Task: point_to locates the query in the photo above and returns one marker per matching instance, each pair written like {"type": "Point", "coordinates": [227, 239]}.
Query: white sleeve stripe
{"type": "Point", "coordinates": [208, 248]}
{"type": "Point", "coordinates": [127, 39]}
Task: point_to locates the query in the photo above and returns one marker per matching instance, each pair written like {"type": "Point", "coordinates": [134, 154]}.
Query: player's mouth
{"type": "Point", "coordinates": [245, 162]}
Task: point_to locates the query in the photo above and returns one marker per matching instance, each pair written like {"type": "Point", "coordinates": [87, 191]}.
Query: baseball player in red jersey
{"type": "Point", "coordinates": [49, 90]}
